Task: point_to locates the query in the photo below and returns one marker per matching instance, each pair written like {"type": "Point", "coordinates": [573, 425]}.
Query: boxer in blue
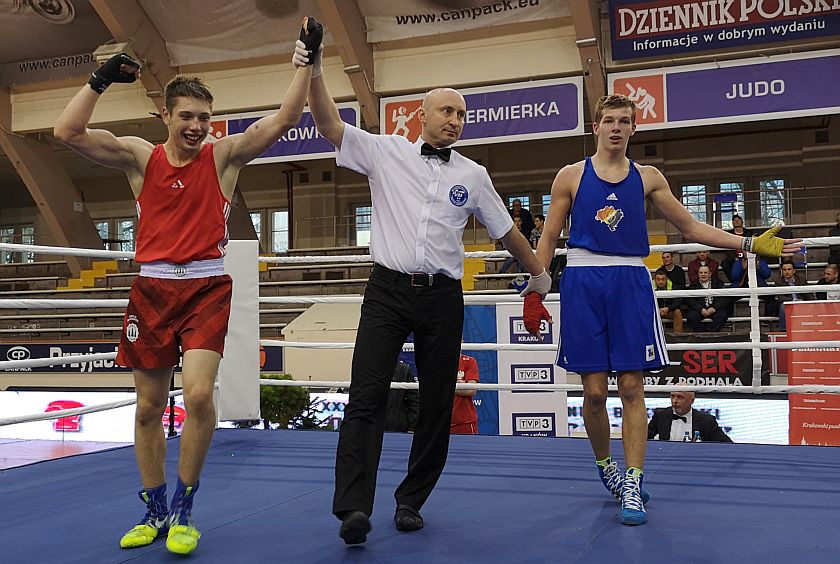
{"type": "Point", "coordinates": [608, 317]}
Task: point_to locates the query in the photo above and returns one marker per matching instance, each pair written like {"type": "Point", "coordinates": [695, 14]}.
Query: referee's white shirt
{"type": "Point", "coordinates": [421, 204]}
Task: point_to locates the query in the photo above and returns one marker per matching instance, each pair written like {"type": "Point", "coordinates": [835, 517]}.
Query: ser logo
{"type": "Point", "coordinates": [518, 333]}
{"type": "Point", "coordinates": [531, 374]}
{"type": "Point", "coordinates": [534, 424]}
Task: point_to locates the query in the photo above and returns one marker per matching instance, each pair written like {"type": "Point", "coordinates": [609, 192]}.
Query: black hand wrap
{"type": "Point", "coordinates": [110, 72]}
{"type": "Point", "coordinates": [311, 34]}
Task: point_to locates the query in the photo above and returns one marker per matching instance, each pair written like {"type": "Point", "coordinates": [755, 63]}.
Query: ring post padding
{"type": "Point", "coordinates": [239, 371]}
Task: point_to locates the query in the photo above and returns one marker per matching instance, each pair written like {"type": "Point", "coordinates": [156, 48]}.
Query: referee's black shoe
{"type": "Point", "coordinates": [354, 527]}
{"type": "Point", "coordinates": [407, 518]}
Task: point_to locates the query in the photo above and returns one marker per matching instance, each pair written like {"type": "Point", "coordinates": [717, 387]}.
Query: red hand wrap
{"type": "Point", "coordinates": [533, 313]}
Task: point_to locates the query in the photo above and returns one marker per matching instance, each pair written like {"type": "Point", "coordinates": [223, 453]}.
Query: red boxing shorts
{"type": "Point", "coordinates": [164, 314]}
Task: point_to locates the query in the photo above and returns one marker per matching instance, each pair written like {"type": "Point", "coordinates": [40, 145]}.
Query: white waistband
{"type": "Point", "coordinates": [584, 257]}
{"type": "Point", "coordinates": [194, 269]}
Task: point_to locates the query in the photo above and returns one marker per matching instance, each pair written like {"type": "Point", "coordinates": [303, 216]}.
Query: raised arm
{"type": "Point", "coordinates": [235, 151]}
{"type": "Point", "coordinates": [323, 108]}
{"type": "Point", "coordinates": [99, 145]}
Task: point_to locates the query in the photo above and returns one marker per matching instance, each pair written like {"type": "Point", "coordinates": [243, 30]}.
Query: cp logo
{"type": "Point", "coordinates": [17, 353]}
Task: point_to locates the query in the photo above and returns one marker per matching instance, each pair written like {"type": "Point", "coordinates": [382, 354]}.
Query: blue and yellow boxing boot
{"type": "Point", "coordinates": [154, 523]}
{"type": "Point", "coordinates": [183, 536]}
{"type": "Point", "coordinates": [632, 508]}
{"type": "Point", "coordinates": [613, 478]}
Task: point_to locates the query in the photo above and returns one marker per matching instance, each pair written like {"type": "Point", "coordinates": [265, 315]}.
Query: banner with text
{"type": "Point", "coordinates": [650, 28]}
{"type": "Point", "coordinates": [301, 143]}
{"type": "Point", "coordinates": [814, 418]}
{"type": "Point", "coordinates": [386, 20]}
{"type": "Point", "coordinates": [532, 413]}
{"type": "Point", "coordinates": [778, 87]}
{"type": "Point", "coordinates": [724, 367]}
{"type": "Point", "coordinates": [271, 358]}
{"type": "Point", "coordinates": [496, 114]}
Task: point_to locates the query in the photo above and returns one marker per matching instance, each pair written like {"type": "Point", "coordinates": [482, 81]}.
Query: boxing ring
{"type": "Point", "coordinates": [267, 495]}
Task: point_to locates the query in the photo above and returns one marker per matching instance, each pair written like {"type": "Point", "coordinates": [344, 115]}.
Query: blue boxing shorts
{"type": "Point", "coordinates": [608, 316]}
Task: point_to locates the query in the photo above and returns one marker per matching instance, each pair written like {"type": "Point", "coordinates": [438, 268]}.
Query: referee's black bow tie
{"type": "Point", "coordinates": [674, 417]}
{"type": "Point", "coordinates": [429, 151]}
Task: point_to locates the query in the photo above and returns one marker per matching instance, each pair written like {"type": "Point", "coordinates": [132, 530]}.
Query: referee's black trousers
{"type": "Point", "coordinates": [391, 310]}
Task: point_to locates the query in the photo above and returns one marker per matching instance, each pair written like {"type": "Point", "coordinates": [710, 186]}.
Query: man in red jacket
{"type": "Point", "coordinates": [464, 416]}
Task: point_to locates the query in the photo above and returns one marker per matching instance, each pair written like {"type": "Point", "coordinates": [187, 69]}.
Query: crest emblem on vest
{"type": "Point", "coordinates": [609, 216]}
{"type": "Point", "coordinates": [458, 195]}
{"type": "Point", "coordinates": [180, 270]}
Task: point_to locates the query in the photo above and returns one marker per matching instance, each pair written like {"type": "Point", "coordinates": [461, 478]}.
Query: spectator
{"type": "Point", "coordinates": [715, 308]}
{"type": "Point", "coordinates": [673, 423]}
{"type": "Point", "coordinates": [403, 404]}
{"type": "Point", "coordinates": [516, 210]}
{"type": "Point", "coordinates": [676, 274]}
{"type": "Point", "coordinates": [536, 233]}
{"type": "Point", "coordinates": [787, 276]}
{"type": "Point", "coordinates": [511, 262]}
{"type": "Point", "coordinates": [701, 260]}
{"type": "Point", "coordinates": [739, 275]}
{"type": "Point", "coordinates": [464, 416]}
{"type": "Point", "coordinates": [668, 307]}
{"type": "Point", "coordinates": [738, 229]}
{"type": "Point", "coordinates": [834, 250]}
{"type": "Point", "coordinates": [830, 276]}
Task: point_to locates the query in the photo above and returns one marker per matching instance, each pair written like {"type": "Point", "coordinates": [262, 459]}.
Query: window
{"type": "Point", "coordinates": [256, 220]}
{"type": "Point", "coordinates": [125, 232]}
{"type": "Point", "coordinates": [772, 196]}
{"type": "Point", "coordinates": [362, 216]}
{"type": "Point", "coordinates": [546, 201]}
{"type": "Point", "coordinates": [104, 227]}
{"type": "Point", "coordinates": [694, 199]}
{"type": "Point", "coordinates": [17, 234]}
{"type": "Point", "coordinates": [279, 231]}
{"type": "Point", "coordinates": [525, 199]}
{"type": "Point", "coordinates": [731, 202]}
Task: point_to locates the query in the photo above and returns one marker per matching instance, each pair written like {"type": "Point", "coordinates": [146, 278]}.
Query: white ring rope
{"type": "Point", "coordinates": [678, 248]}
{"type": "Point", "coordinates": [811, 389]}
{"type": "Point", "coordinates": [102, 253]}
{"type": "Point", "coordinates": [56, 360]}
{"type": "Point", "coordinates": [63, 304]}
{"type": "Point", "coordinates": [745, 345]}
{"type": "Point", "coordinates": [69, 251]}
{"type": "Point", "coordinates": [75, 411]}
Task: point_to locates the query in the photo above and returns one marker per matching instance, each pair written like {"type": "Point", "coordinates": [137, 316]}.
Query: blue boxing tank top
{"type": "Point", "coordinates": [608, 218]}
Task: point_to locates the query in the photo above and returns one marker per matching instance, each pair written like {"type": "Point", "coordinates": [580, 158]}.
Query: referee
{"type": "Point", "coordinates": [423, 194]}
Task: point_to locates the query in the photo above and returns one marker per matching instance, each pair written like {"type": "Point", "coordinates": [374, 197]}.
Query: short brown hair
{"type": "Point", "coordinates": [612, 102]}
{"type": "Point", "coordinates": [186, 87]}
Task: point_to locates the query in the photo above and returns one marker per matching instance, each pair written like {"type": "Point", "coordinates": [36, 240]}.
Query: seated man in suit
{"type": "Point", "coordinates": [787, 276]}
{"type": "Point", "coordinates": [681, 420]}
{"type": "Point", "coordinates": [715, 308]}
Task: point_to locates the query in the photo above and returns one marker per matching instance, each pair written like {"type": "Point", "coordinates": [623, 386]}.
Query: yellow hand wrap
{"type": "Point", "coordinates": [767, 244]}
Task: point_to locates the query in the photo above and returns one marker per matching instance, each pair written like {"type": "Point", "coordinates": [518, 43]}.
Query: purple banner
{"type": "Point", "coordinates": [507, 112]}
{"type": "Point", "coordinates": [302, 142]}
{"type": "Point", "coordinates": [648, 28]}
{"type": "Point", "coordinates": [522, 111]}
{"type": "Point", "coordinates": [776, 87]}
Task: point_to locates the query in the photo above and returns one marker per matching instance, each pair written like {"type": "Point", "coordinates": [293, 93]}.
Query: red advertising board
{"type": "Point", "coordinates": [814, 418]}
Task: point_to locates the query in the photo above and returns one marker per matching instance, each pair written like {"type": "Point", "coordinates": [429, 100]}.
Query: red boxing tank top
{"type": "Point", "coordinates": [182, 213]}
